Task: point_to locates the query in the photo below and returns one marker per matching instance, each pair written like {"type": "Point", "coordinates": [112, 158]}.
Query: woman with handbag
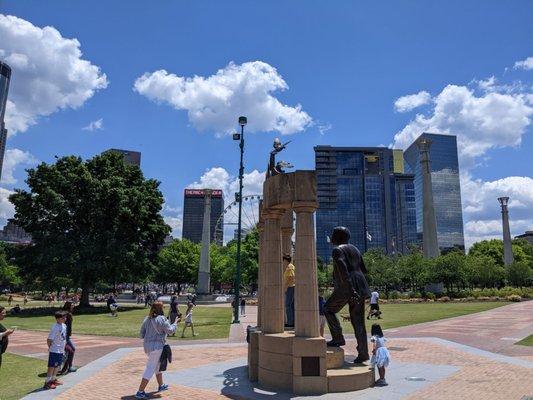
{"type": "Point", "coordinates": [154, 331]}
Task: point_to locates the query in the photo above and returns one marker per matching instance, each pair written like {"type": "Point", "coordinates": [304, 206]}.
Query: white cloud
{"type": "Point", "coordinates": [7, 209]}
{"type": "Point", "coordinates": [94, 125]}
{"type": "Point", "coordinates": [12, 159]}
{"type": "Point", "coordinates": [214, 103]}
{"type": "Point", "coordinates": [483, 122]}
{"type": "Point", "coordinates": [412, 101]}
{"type": "Point", "coordinates": [48, 73]}
{"type": "Point", "coordinates": [482, 210]}
{"type": "Point", "coordinates": [176, 223]}
{"type": "Point", "coordinates": [526, 64]}
{"type": "Point", "coordinates": [219, 178]}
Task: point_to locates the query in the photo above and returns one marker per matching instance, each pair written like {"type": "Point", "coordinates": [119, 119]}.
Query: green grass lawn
{"type": "Point", "coordinates": [209, 323]}
{"type": "Point", "coordinates": [396, 315]}
{"type": "Point", "coordinates": [19, 376]}
{"type": "Point", "coordinates": [528, 341]}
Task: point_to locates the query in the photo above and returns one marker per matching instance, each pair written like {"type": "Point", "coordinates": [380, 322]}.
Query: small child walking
{"type": "Point", "coordinates": [380, 353]}
{"type": "Point", "coordinates": [57, 339]}
{"type": "Point", "coordinates": [188, 319]}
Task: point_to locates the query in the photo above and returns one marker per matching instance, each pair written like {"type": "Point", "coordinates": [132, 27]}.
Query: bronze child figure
{"type": "Point", "coordinates": [350, 287]}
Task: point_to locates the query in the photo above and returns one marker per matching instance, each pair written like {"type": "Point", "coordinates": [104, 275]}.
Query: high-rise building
{"type": "Point", "coordinates": [366, 190]}
{"type": "Point", "coordinates": [12, 233]}
{"type": "Point", "coordinates": [130, 157]}
{"type": "Point", "coordinates": [446, 187]}
{"type": "Point", "coordinates": [5, 76]}
{"type": "Point", "coordinates": [193, 214]}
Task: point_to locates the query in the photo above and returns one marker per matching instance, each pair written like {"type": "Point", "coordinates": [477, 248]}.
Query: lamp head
{"type": "Point", "coordinates": [243, 121]}
{"type": "Point", "coordinates": [503, 200]}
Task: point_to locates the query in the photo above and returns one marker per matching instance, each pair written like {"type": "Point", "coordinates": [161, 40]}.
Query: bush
{"type": "Point", "coordinates": [415, 295]}
{"type": "Point", "coordinates": [514, 297]}
{"type": "Point", "coordinates": [394, 295]}
{"type": "Point", "coordinates": [444, 299]}
{"type": "Point", "coordinates": [430, 296]}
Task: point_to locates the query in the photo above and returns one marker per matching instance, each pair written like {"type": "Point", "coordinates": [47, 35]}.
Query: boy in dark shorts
{"type": "Point", "coordinates": [57, 339]}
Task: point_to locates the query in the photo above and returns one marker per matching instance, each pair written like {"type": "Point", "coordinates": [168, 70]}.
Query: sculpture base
{"type": "Point", "coordinates": [303, 366]}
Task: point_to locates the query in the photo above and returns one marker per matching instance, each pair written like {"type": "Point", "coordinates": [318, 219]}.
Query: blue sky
{"type": "Point", "coordinates": [344, 63]}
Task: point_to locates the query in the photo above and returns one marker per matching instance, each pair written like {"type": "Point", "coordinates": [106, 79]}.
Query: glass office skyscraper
{"type": "Point", "coordinates": [446, 188]}
{"type": "Point", "coordinates": [366, 190]}
{"type": "Point", "coordinates": [193, 214]}
{"type": "Point", "coordinates": [5, 76]}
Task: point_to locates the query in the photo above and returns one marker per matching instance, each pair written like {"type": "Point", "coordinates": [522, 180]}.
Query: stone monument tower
{"type": "Point", "coordinates": [295, 360]}
{"type": "Point", "coordinates": [429, 226]}
{"type": "Point", "coordinates": [507, 245]}
{"type": "Point", "coordinates": [204, 272]}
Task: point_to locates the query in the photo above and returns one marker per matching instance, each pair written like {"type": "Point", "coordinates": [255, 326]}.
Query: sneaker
{"type": "Point", "coordinates": [360, 360]}
{"type": "Point", "coordinates": [49, 385]}
{"type": "Point", "coordinates": [141, 395]}
{"type": "Point", "coordinates": [381, 382]}
{"type": "Point", "coordinates": [72, 369]}
{"type": "Point", "coordinates": [163, 387]}
{"type": "Point", "coordinates": [57, 382]}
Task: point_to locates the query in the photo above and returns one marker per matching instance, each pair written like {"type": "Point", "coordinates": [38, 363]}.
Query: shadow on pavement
{"type": "Point", "coordinates": [237, 386]}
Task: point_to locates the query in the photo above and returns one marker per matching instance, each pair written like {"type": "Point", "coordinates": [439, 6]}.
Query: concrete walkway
{"type": "Point", "coordinates": [494, 330]}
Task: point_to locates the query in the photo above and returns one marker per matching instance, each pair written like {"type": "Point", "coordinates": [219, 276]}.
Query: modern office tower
{"type": "Point", "coordinates": [446, 188]}
{"type": "Point", "coordinates": [193, 214]}
{"type": "Point", "coordinates": [12, 233]}
{"type": "Point", "coordinates": [130, 157]}
{"type": "Point", "coordinates": [366, 190]}
{"type": "Point", "coordinates": [5, 76]}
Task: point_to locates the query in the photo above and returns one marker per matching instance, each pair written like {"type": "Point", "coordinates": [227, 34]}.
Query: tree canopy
{"type": "Point", "coordinates": [90, 220]}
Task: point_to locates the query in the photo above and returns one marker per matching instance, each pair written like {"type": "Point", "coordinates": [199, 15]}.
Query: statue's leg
{"type": "Point", "coordinates": [334, 304]}
{"type": "Point", "coordinates": [357, 317]}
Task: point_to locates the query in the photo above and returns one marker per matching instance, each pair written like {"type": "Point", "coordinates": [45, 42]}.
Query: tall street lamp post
{"type": "Point", "coordinates": [237, 288]}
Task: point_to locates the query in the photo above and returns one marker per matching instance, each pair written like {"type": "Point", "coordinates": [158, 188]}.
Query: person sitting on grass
{"type": "Point", "coordinates": [154, 331]}
{"type": "Point", "coordinates": [380, 354]}
{"type": "Point", "coordinates": [188, 319]}
{"type": "Point", "coordinates": [57, 339]}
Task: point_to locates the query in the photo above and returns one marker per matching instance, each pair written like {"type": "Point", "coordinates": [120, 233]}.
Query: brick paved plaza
{"type": "Point", "coordinates": [469, 357]}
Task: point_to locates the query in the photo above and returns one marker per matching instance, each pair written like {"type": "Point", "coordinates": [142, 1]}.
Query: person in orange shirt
{"type": "Point", "coordinates": [289, 283]}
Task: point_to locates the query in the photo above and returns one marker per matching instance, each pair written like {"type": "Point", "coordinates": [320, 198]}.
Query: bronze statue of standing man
{"type": "Point", "coordinates": [350, 287]}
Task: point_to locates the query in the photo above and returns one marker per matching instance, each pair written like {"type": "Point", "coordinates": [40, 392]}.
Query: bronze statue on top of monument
{"type": "Point", "coordinates": [350, 287]}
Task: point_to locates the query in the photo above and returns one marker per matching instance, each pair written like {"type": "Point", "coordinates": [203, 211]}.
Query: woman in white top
{"type": "Point", "coordinates": [154, 331]}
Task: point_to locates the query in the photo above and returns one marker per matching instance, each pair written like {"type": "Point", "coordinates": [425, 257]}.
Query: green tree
{"type": "Point", "coordinates": [414, 270]}
{"type": "Point", "coordinates": [519, 274]}
{"type": "Point", "coordinates": [449, 269]}
{"type": "Point", "coordinates": [9, 274]}
{"type": "Point", "coordinates": [494, 249]}
{"type": "Point", "coordinates": [90, 220]}
{"type": "Point", "coordinates": [382, 269]}
{"type": "Point", "coordinates": [178, 262]}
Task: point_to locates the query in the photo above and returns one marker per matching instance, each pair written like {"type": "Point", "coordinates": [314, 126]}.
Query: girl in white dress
{"type": "Point", "coordinates": [380, 354]}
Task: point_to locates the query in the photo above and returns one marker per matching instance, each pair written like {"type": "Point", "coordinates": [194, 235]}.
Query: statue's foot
{"type": "Point", "coordinates": [360, 360]}
{"type": "Point", "coordinates": [334, 343]}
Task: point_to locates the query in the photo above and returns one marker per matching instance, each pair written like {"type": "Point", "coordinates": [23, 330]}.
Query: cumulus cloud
{"type": "Point", "coordinates": [213, 103]}
{"type": "Point", "coordinates": [219, 178]}
{"type": "Point", "coordinates": [12, 159]}
{"type": "Point", "coordinates": [481, 122]}
{"type": "Point", "coordinates": [482, 209]}
{"type": "Point", "coordinates": [48, 72]}
{"type": "Point", "coordinates": [526, 64]}
{"type": "Point", "coordinates": [412, 101]}
{"type": "Point", "coordinates": [7, 209]}
{"type": "Point", "coordinates": [94, 125]}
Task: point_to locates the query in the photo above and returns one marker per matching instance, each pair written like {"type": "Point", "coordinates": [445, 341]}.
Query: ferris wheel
{"type": "Point", "coordinates": [227, 223]}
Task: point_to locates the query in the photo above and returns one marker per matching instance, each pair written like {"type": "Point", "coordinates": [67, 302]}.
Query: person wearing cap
{"type": "Point", "coordinates": [289, 284]}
